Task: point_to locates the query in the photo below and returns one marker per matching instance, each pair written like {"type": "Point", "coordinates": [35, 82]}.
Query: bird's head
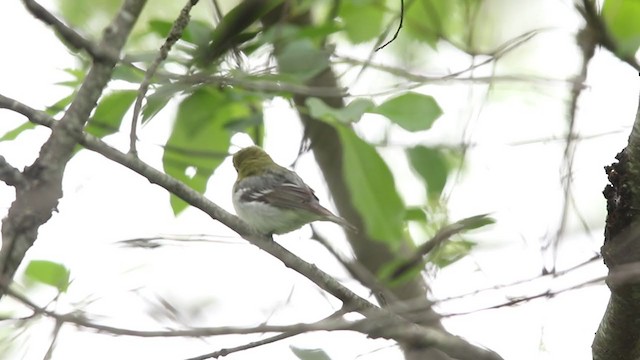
{"type": "Point", "coordinates": [252, 161]}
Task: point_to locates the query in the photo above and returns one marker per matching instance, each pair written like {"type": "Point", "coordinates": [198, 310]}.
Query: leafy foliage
{"type": "Point", "coordinates": [432, 166]}
{"type": "Point", "coordinates": [200, 137]}
{"type": "Point", "coordinates": [48, 273]}
{"type": "Point", "coordinates": [109, 114]}
{"type": "Point", "coordinates": [372, 188]}
{"type": "Point", "coordinates": [622, 17]}
{"type": "Point", "coordinates": [412, 111]}
{"type": "Point", "coordinates": [352, 14]}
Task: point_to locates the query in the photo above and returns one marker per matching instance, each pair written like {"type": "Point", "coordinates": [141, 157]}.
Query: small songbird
{"type": "Point", "coordinates": [273, 199]}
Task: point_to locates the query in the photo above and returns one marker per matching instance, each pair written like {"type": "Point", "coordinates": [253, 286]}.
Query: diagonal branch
{"type": "Point", "coordinates": [39, 197]}
{"type": "Point", "coordinates": [395, 326]}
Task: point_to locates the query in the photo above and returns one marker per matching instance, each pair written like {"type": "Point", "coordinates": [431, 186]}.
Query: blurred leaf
{"type": "Point", "coordinates": [412, 111]}
{"type": "Point", "coordinates": [78, 77]}
{"type": "Point", "coordinates": [127, 73]}
{"type": "Point", "coordinates": [49, 273]}
{"type": "Point", "coordinates": [430, 20]}
{"type": "Point", "coordinates": [153, 104]}
{"type": "Point", "coordinates": [348, 114]}
{"type": "Point", "coordinates": [415, 214]}
{"type": "Point", "coordinates": [287, 33]}
{"type": "Point", "coordinates": [60, 105]}
{"type": "Point", "coordinates": [13, 134]}
{"type": "Point", "coordinates": [372, 188]}
{"type": "Point", "coordinates": [476, 222]}
{"type": "Point", "coordinates": [309, 354]}
{"type": "Point", "coordinates": [450, 252]}
{"type": "Point", "coordinates": [362, 19]}
{"type": "Point", "coordinates": [197, 32]}
{"type": "Point", "coordinates": [111, 109]}
{"type": "Point", "coordinates": [199, 141]}
{"type": "Point", "coordinates": [435, 249]}
{"type": "Point", "coordinates": [230, 29]}
{"type": "Point", "coordinates": [302, 59]}
{"type": "Point", "coordinates": [390, 274]}
{"type": "Point", "coordinates": [433, 168]}
{"type": "Point", "coordinates": [623, 21]}
{"type": "Point", "coordinates": [160, 27]}
{"type": "Point", "coordinates": [88, 14]}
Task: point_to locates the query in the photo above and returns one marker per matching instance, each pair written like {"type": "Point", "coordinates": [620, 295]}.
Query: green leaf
{"type": "Point", "coordinates": [415, 214]}
{"type": "Point", "coordinates": [230, 29]}
{"type": "Point", "coordinates": [128, 74]}
{"type": "Point", "coordinates": [390, 275]}
{"type": "Point", "coordinates": [350, 113]}
{"type": "Point", "coordinates": [412, 111]}
{"type": "Point", "coordinates": [197, 32]}
{"type": "Point", "coordinates": [309, 354]}
{"type": "Point", "coordinates": [427, 21]}
{"type": "Point", "coordinates": [60, 105]}
{"type": "Point", "coordinates": [433, 168]}
{"type": "Point", "coordinates": [111, 109]}
{"type": "Point", "coordinates": [13, 134]}
{"type": "Point", "coordinates": [363, 19]}
{"type": "Point", "coordinates": [78, 77]}
{"type": "Point", "coordinates": [153, 104]}
{"type": "Point", "coordinates": [450, 252]}
{"type": "Point", "coordinates": [476, 222]}
{"type": "Point", "coordinates": [49, 273]}
{"type": "Point", "coordinates": [623, 21]}
{"type": "Point", "coordinates": [160, 27]}
{"type": "Point", "coordinates": [372, 188]}
{"type": "Point", "coordinates": [302, 59]}
{"type": "Point", "coordinates": [199, 141]}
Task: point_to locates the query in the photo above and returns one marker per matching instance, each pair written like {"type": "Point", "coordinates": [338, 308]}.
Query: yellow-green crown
{"type": "Point", "coordinates": [251, 161]}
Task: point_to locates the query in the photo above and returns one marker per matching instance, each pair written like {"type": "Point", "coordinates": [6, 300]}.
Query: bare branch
{"type": "Point", "coordinates": [174, 35]}
{"type": "Point", "coordinates": [10, 175]}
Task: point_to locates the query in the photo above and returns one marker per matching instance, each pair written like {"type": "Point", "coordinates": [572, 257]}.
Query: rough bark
{"type": "Point", "coordinates": [618, 336]}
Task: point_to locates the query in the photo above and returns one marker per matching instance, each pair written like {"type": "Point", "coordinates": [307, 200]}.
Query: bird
{"type": "Point", "coordinates": [273, 199]}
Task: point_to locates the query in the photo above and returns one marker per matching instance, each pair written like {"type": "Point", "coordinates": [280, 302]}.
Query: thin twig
{"type": "Point", "coordinates": [395, 36]}
{"type": "Point", "coordinates": [254, 344]}
{"type": "Point", "coordinates": [174, 35]}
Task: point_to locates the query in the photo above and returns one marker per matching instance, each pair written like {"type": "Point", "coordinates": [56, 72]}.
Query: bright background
{"type": "Point", "coordinates": [514, 170]}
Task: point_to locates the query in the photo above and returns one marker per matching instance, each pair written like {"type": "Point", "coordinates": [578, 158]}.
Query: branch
{"type": "Point", "coordinates": [597, 31]}
{"type": "Point", "coordinates": [81, 320]}
{"type": "Point", "coordinates": [70, 36]}
{"type": "Point", "coordinates": [174, 35]}
{"type": "Point", "coordinates": [10, 175]}
{"type": "Point", "coordinates": [396, 327]}
{"type": "Point", "coordinates": [618, 336]}
{"type": "Point", "coordinates": [39, 197]}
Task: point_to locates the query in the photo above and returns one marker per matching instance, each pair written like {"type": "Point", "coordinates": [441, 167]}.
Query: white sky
{"type": "Point", "coordinates": [235, 284]}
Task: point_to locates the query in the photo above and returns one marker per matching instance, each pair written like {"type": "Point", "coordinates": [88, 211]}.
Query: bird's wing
{"type": "Point", "coordinates": [288, 192]}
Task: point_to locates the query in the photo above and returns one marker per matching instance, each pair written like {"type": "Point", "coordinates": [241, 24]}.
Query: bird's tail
{"type": "Point", "coordinates": [344, 223]}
